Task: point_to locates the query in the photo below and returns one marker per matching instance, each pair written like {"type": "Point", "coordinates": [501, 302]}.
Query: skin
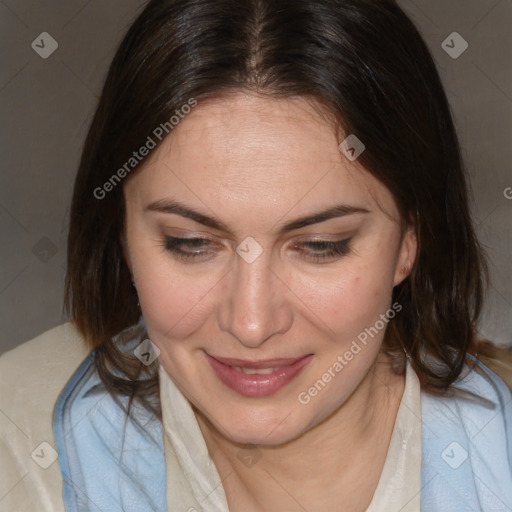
{"type": "Point", "coordinates": [256, 163]}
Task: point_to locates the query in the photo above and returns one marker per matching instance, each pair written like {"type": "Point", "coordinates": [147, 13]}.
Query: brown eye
{"type": "Point", "coordinates": [322, 250]}
{"type": "Point", "coordinates": [188, 248]}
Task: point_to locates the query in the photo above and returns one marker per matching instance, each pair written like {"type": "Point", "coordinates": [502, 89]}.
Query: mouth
{"type": "Point", "coordinates": [257, 378]}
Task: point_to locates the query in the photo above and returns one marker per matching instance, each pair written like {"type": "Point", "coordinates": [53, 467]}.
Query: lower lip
{"type": "Point", "coordinates": [257, 384]}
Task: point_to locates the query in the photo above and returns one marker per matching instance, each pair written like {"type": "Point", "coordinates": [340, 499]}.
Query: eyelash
{"type": "Point", "coordinates": [336, 248]}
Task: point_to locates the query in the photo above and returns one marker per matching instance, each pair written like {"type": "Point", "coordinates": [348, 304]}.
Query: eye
{"type": "Point", "coordinates": [323, 250]}
{"type": "Point", "coordinates": [188, 249]}
{"type": "Point", "coordinates": [193, 249]}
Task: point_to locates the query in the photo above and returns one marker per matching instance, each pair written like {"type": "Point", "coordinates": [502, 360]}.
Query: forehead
{"type": "Point", "coordinates": [272, 153]}
{"type": "Point", "coordinates": [246, 131]}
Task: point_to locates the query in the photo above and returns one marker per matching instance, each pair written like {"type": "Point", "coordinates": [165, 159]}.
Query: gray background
{"type": "Point", "coordinates": [47, 104]}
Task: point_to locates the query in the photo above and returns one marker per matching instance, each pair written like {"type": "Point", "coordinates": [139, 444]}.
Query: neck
{"type": "Point", "coordinates": [335, 454]}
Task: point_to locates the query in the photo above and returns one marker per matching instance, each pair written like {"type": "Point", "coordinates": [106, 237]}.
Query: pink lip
{"type": "Point", "coordinates": [256, 384]}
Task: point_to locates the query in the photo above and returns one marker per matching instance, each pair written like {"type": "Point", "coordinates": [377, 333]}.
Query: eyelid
{"type": "Point", "coordinates": [322, 238]}
{"type": "Point", "coordinates": [187, 233]}
{"type": "Point", "coordinates": [322, 242]}
{"type": "Point", "coordinates": [176, 240]}
{"type": "Point", "coordinates": [301, 239]}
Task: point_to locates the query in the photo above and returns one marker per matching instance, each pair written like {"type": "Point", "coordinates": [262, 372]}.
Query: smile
{"type": "Point", "coordinates": [257, 378]}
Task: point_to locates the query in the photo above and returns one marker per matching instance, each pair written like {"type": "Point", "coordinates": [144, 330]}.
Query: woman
{"type": "Point", "coordinates": [273, 279]}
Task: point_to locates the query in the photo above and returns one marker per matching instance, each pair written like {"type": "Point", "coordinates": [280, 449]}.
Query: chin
{"type": "Point", "coordinates": [263, 429]}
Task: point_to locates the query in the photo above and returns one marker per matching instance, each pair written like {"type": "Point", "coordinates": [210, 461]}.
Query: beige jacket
{"type": "Point", "coordinates": [31, 378]}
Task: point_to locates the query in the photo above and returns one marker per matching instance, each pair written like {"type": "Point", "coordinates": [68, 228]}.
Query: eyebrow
{"type": "Point", "coordinates": [177, 208]}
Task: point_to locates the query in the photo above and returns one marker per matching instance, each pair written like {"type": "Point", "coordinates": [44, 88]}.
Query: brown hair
{"type": "Point", "coordinates": [365, 63]}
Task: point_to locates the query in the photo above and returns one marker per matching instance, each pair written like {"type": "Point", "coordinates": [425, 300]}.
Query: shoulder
{"type": "Point", "coordinates": [40, 367]}
{"type": "Point", "coordinates": [32, 377]}
{"type": "Point", "coordinates": [479, 399]}
{"type": "Point", "coordinates": [477, 391]}
{"type": "Point", "coordinates": [467, 441]}
{"type": "Point", "coordinates": [496, 357]}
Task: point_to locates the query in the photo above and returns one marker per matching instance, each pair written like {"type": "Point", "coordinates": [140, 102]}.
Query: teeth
{"type": "Point", "coordinates": [259, 371]}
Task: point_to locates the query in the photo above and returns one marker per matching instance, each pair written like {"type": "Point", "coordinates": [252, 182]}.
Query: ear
{"type": "Point", "coordinates": [407, 256]}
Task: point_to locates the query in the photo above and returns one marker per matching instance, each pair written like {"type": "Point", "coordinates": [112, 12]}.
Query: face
{"type": "Point", "coordinates": [251, 293]}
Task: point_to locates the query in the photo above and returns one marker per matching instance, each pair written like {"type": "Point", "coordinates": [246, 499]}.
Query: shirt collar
{"type": "Point", "coordinates": [399, 486]}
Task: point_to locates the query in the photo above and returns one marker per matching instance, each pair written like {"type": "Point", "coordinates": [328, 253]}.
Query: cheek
{"type": "Point", "coordinates": [174, 302]}
{"type": "Point", "coordinates": [349, 300]}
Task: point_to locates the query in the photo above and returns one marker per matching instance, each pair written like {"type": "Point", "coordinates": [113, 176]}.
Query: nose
{"type": "Point", "coordinates": [255, 307]}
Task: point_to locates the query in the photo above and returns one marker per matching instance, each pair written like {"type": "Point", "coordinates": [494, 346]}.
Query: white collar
{"type": "Point", "coordinates": [399, 486]}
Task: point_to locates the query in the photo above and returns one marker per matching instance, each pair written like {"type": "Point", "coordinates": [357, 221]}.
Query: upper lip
{"type": "Point", "coordinates": [266, 363]}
